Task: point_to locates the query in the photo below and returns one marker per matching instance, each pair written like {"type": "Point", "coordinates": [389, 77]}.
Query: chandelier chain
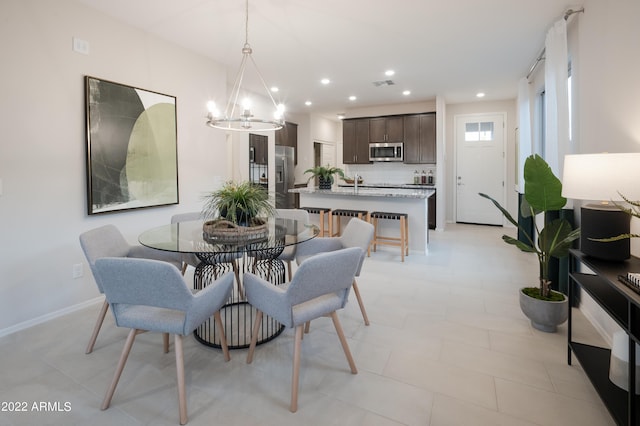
{"type": "Point", "coordinates": [246, 23]}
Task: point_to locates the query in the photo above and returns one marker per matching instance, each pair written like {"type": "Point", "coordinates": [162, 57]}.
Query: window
{"type": "Point", "coordinates": [475, 132]}
{"type": "Point", "coordinates": [570, 106]}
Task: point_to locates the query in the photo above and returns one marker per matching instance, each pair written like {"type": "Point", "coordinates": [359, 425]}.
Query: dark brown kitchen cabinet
{"type": "Point", "coordinates": [386, 129]}
{"type": "Point", "coordinates": [355, 141]}
{"type": "Point", "coordinates": [420, 139]}
{"type": "Point", "coordinates": [288, 136]}
{"type": "Point", "coordinates": [432, 211]}
{"type": "Point", "coordinates": [258, 149]}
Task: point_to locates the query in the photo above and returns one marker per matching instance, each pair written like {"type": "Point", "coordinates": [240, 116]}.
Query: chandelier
{"type": "Point", "coordinates": [239, 117]}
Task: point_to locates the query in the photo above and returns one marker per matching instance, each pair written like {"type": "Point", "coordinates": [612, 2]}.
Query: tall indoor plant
{"type": "Point", "coordinates": [542, 194]}
{"type": "Point", "coordinates": [325, 175]}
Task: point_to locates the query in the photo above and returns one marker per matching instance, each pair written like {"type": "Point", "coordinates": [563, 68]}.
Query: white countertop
{"type": "Point", "coordinates": [368, 192]}
{"type": "Point", "coordinates": [390, 185]}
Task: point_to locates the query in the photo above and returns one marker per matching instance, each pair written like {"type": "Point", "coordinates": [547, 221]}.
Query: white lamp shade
{"type": "Point", "coordinates": [601, 177]}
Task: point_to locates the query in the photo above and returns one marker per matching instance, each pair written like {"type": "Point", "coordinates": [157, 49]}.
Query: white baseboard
{"type": "Point", "coordinates": [48, 317]}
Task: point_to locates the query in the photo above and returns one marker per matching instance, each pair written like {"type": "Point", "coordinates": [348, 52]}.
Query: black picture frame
{"type": "Point", "coordinates": [132, 153]}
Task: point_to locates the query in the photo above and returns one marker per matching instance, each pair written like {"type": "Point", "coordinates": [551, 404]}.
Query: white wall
{"type": "Point", "coordinates": [608, 94]}
{"type": "Point", "coordinates": [42, 152]}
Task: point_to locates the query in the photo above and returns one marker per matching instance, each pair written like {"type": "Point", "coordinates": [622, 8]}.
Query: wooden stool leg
{"type": "Point", "coordinates": [375, 234]}
{"type": "Point", "coordinates": [406, 234]}
{"type": "Point", "coordinates": [402, 238]}
{"type": "Point", "coordinates": [368, 219]}
{"type": "Point", "coordinates": [322, 223]}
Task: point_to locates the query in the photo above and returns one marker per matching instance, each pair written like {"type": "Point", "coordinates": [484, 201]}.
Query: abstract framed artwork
{"type": "Point", "coordinates": [132, 159]}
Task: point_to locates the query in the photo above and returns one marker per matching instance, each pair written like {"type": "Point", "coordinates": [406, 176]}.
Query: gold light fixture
{"type": "Point", "coordinates": [240, 117]}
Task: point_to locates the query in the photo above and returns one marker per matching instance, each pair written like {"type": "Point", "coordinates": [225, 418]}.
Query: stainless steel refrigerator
{"type": "Point", "coordinates": [284, 177]}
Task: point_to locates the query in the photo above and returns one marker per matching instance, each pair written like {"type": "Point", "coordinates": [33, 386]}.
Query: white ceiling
{"type": "Point", "coordinates": [452, 48]}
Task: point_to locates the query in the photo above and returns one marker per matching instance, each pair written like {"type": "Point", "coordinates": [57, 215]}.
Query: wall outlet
{"type": "Point", "coordinates": [80, 46]}
{"type": "Point", "coordinates": [77, 270]}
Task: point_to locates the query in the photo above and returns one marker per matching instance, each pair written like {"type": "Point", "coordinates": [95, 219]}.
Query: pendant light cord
{"type": "Point", "coordinates": [246, 24]}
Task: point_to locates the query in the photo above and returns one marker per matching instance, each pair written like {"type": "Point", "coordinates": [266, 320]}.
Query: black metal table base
{"type": "Point", "coordinates": [237, 314]}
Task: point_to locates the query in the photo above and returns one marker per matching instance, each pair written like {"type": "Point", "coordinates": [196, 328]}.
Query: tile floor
{"type": "Point", "coordinates": [447, 345]}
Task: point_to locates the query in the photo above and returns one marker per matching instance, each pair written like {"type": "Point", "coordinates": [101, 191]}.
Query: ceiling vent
{"type": "Point", "coordinates": [383, 83]}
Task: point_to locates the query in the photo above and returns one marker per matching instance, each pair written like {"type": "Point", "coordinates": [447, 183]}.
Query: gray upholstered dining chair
{"type": "Point", "coordinates": [357, 233]}
{"type": "Point", "coordinates": [188, 259]}
{"type": "Point", "coordinates": [107, 241]}
{"type": "Point", "coordinates": [319, 288]}
{"type": "Point", "coordinates": [150, 295]}
{"type": "Point", "coordinates": [288, 255]}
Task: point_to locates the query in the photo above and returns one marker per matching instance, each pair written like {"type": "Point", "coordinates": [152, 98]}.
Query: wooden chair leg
{"type": "Point", "coordinates": [96, 328]}
{"type": "Point", "coordinates": [254, 337]}
{"type": "Point", "coordinates": [182, 395]}
{"type": "Point", "coordinates": [165, 341]}
{"type": "Point", "coordinates": [295, 378]}
{"type": "Point", "coordinates": [289, 270]}
{"type": "Point", "coordinates": [223, 339]}
{"type": "Point", "coordinates": [343, 341]}
{"type": "Point", "coordinates": [116, 377]}
{"type": "Point", "coordinates": [307, 326]}
{"type": "Point", "coordinates": [356, 290]}
{"type": "Point", "coordinates": [184, 268]}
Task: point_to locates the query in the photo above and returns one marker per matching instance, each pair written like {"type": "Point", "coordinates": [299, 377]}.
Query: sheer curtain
{"type": "Point", "coordinates": [556, 74]}
{"type": "Point", "coordinates": [524, 131]}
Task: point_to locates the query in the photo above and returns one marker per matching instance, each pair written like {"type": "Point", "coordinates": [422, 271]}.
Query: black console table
{"type": "Point", "coordinates": [622, 304]}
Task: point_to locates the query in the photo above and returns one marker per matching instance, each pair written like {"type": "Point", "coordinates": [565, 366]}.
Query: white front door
{"type": "Point", "coordinates": [480, 167]}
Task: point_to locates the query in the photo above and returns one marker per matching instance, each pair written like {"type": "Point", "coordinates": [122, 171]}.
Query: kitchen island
{"type": "Point", "coordinates": [413, 202]}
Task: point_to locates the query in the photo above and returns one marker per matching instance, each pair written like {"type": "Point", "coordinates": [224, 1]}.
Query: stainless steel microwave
{"type": "Point", "coordinates": [386, 151]}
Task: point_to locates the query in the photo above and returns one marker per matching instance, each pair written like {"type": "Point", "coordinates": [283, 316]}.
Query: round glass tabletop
{"type": "Point", "coordinates": [189, 237]}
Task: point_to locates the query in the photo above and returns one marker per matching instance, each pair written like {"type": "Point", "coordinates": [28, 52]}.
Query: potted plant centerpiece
{"type": "Point", "coordinates": [545, 307]}
{"type": "Point", "coordinates": [238, 209]}
{"type": "Point", "coordinates": [325, 175]}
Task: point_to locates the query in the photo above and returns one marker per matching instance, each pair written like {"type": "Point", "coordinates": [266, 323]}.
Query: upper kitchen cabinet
{"type": "Point", "coordinates": [386, 129]}
{"type": "Point", "coordinates": [258, 149]}
{"type": "Point", "coordinates": [355, 141]}
{"type": "Point", "coordinates": [288, 136]}
{"type": "Point", "coordinates": [420, 138]}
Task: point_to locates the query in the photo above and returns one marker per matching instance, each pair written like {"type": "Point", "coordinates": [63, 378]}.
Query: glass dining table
{"type": "Point", "coordinates": [215, 255]}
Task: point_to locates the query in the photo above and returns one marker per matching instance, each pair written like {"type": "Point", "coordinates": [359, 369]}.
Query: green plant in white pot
{"type": "Point", "coordinates": [545, 307]}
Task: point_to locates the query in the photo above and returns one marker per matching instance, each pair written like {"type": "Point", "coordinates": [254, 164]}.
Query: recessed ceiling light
{"type": "Point", "coordinates": [308, 103]}
{"type": "Point", "coordinates": [274, 89]}
{"type": "Point", "coordinates": [352, 98]}
{"type": "Point", "coordinates": [480, 95]}
{"type": "Point", "coordinates": [406, 92]}
{"type": "Point", "coordinates": [389, 73]}
{"type": "Point", "coordinates": [325, 81]}
{"type": "Point", "coordinates": [341, 116]}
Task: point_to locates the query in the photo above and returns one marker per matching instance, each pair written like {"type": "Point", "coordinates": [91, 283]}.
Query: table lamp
{"type": "Point", "coordinates": [602, 178]}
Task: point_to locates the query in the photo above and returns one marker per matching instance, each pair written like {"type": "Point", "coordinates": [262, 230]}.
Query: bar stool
{"type": "Point", "coordinates": [360, 214]}
{"type": "Point", "coordinates": [402, 242]}
{"type": "Point", "coordinates": [321, 211]}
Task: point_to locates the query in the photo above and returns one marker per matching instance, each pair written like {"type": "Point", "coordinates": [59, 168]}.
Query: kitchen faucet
{"type": "Point", "coordinates": [355, 182]}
